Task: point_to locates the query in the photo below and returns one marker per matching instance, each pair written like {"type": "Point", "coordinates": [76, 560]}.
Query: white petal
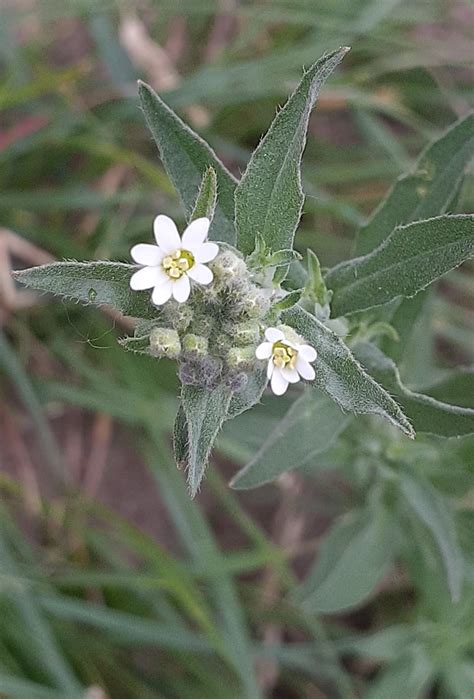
{"type": "Point", "coordinates": [205, 252]}
{"type": "Point", "coordinates": [196, 233]}
{"type": "Point", "coordinates": [181, 289]}
{"type": "Point", "coordinates": [264, 350]}
{"type": "Point", "coordinates": [166, 234]}
{"type": "Point", "coordinates": [162, 293]}
{"type": "Point", "coordinates": [278, 383]}
{"type": "Point", "coordinates": [307, 352]}
{"type": "Point", "coordinates": [270, 368]}
{"type": "Point", "coordinates": [304, 369]}
{"type": "Point", "coordinates": [201, 274]}
{"type": "Point", "coordinates": [149, 255]}
{"type": "Point", "coordinates": [291, 375]}
{"type": "Point", "coordinates": [145, 278]}
{"type": "Point", "coordinates": [274, 335]}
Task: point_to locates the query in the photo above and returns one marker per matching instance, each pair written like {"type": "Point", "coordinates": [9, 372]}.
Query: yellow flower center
{"type": "Point", "coordinates": [178, 263]}
{"type": "Point", "coordinates": [283, 355]}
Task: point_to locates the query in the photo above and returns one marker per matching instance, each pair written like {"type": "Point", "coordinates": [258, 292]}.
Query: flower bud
{"type": "Point", "coordinates": [179, 315]}
{"type": "Point", "coordinates": [188, 374]}
{"type": "Point", "coordinates": [228, 266]}
{"type": "Point", "coordinates": [246, 333]}
{"type": "Point", "coordinates": [237, 382]}
{"type": "Point", "coordinates": [195, 345]}
{"type": "Point", "coordinates": [164, 342]}
{"type": "Point", "coordinates": [210, 370]}
{"type": "Point", "coordinates": [255, 303]}
{"type": "Point", "coordinates": [241, 358]}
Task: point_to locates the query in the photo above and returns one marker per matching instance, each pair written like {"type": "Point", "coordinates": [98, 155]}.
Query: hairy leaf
{"type": "Point", "coordinates": [410, 259]}
{"type": "Point", "coordinates": [250, 396]}
{"type": "Point", "coordinates": [207, 196]}
{"type": "Point", "coordinates": [269, 198]}
{"type": "Point", "coordinates": [186, 157]}
{"type": "Point", "coordinates": [353, 558]}
{"type": "Point", "coordinates": [310, 427]}
{"type": "Point", "coordinates": [425, 413]}
{"type": "Point", "coordinates": [341, 376]}
{"type": "Point", "coordinates": [92, 282]}
{"type": "Point", "coordinates": [425, 191]}
{"type": "Point", "coordinates": [205, 412]}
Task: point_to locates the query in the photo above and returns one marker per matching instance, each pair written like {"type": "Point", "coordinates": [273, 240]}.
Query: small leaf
{"type": "Point", "coordinates": [410, 259]}
{"type": "Point", "coordinates": [433, 511]}
{"type": "Point", "coordinates": [425, 191]}
{"type": "Point", "coordinates": [92, 282]}
{"type": "Point", "coordinates": [353, 558]}
{"type": "Point", "coordinates": [425, 413]}
{"type": "Point", "coordinates": [316, 289]}
{"type": "Point", "coordinates": [207, 196]}
{"type": "Point", "coordinates": [269, 198]}
{"type": "Point", "coordinates": [180, 438]}
{"type": "Point", "coordinates": [310, 427]}
{"type": "Point", "coordinates": [204, 412]}
{"type": "Point", "coordinates": [249, 396]}
{"type": "Point", "coordinates": [288, 301]}
{"type": "Point", "coordinates": [407, 677]}
{"type": "Point", "coordinates": [340, 375]}
{"type": "Point", "coordinates": [186, 157]}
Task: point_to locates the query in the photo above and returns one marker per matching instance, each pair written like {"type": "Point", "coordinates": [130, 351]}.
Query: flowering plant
{"type": "Point", "coordinates": [232, 303]}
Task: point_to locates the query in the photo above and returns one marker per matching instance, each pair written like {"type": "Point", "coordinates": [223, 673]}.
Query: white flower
{"type": "Point", "coordinates": [288, 361]}
{"type": "Point", "coordinates": [169, 265]}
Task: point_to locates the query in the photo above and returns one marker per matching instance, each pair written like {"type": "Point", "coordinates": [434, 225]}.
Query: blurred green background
{"type": "Point", "coordinates": [112, 582]}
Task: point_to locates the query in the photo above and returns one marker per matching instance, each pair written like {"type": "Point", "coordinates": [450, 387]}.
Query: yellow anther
{"type": "Point", "coordinates": [283, 355]}
{"type": "Point", "coordinates": [178, 263]}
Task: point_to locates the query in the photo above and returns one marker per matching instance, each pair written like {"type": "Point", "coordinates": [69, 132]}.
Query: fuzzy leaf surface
{"type": "Point", "coordinates": [424, 412]}
{"type": "Point", "coordinates": [426, 190]}
{"type": "Point", "coordinates": [411, 258]}
{"type": "Point", "coordinates": [186, 157]}
{"type": "Point", "coordinates": [269, 197]}
{"type": "Point", "coordinates": [204, 413]}
{"type": "Point", "coordinates": [207, 196]}
{"type": "Point", "coordinates": [310, 427]}
{"type": "Point", "coordinates": [340, 375]}
{"type": "Point", "coordinates": [98, 283]}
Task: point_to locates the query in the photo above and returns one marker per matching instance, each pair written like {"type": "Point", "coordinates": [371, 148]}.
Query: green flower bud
{"type": "Point", "coordinates": [246, 333]}
{"type": "Point", "coordinates": [228, 266]}
{"type": "Point", "coordinates": [179, 315]}
{"type": "Point", "coordinates": [164, 342]}
{"type": "Point", "coordinates": [256, 303]}
{"type": "Point", "coordinates": [241, 358]}
{"type": "Point", "coordinates": [195, 345]}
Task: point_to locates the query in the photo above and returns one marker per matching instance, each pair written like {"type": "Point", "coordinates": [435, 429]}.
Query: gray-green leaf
{"type": "Point", "coordinates": [353, 558]}
{"type": "Point", "coordinates": [206, 199]}
{"type": "Point", "coordinates": [92, 282]}
{"type": "Point", "coordinates": [425, 413]}
{"type": "Point", "coordinates": [310, 427]}
{"type": "Point", "coordinates": [269, 198]}
{"type": "Point", "coordinates": [341, 376]}
{"type": "Point", "coordinates": [204, 413]}
{"type": "Point", "coordinates": [425, 191]}
{"type": "Point", "coordinates": [410, 259]}
{"type": "Point", "coordinates": [186, 157]}
{"type": "Point", "coordinates": [432, 509]}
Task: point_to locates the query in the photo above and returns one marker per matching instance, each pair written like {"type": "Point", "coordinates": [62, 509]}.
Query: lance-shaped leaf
{"type": "Point", "coordinates": [410, 259]}
{"type": "Point", "coordinates": [92, 282]}
{"type": "Point", "coordinates": [310, 427]}
{"type": "Point", "coordinates": [427, 190]}
{"type": "Point", "coordinates": [433, 511]}
{"type": "Point", "coordinates": [353, 558]}
{"type": "Point", "coordinates": [204, 412]}
{"type": "Point", "coordinates": [269, 198]}
{"type": "Point", "coordinates": [186, 157]}
{"type": "Point", "coordinates": [207, 196]}
{"type": "Point", "coordinates": [425, 413]}
{"type": "Point", "coordinates": [340, 375]}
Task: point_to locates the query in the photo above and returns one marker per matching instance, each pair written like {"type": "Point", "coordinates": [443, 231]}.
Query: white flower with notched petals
{"type": "Point", "coordinates": [169, 265]}
{"type": "Point", "coordinates": [288, 361]}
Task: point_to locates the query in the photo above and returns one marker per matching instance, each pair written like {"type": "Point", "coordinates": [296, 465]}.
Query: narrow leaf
{"type": "Point", "coordinates": [425, 191]}
{"type": "Point", "coordinates": [269, 198]}
{"type": "Point", "coordinates": [205, 412]}
{"type": "Point", "coordinates": [288, 301]}
{"type": "Point", "coordinates": [91, 282]}
{"type": "Point", "coordinates": [432, 509]}
{"type": "Point", "coordinates": [407, 677]}
{"type": "Point", "coordinates": [353, 558]}
{"type": "Point", "coordinates": [340, 375]}
{"type": "Point", "coordinates": [207, 196]}
{"type": "Point", "coordinates": [410, 259]}
{"type": "Point", "coordinates": [186, 157]}
{"type": "Point", "coordinates": [425, 413]}
{"type": "Point", "coordinates": [310, 427]}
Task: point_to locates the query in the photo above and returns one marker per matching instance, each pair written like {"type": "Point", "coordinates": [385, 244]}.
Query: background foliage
{"type": "Point", "coordinates": [110, 576]}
